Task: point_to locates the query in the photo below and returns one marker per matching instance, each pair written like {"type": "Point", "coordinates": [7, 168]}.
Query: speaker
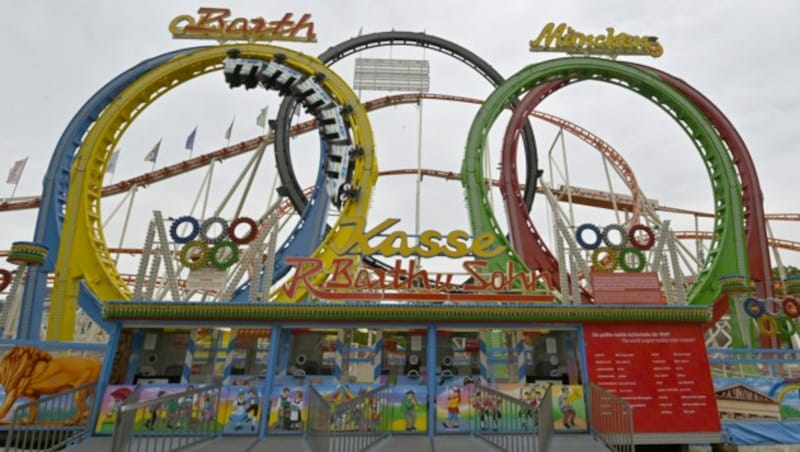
{"type": "Point", "coordinates": [413, 363]}
{"type": "Point", "coordinates": [448, 370]}
{"type": "Point", "coordinates": [300, 362]}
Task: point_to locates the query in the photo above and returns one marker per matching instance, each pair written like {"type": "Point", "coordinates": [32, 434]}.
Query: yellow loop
{"type": "Point", "coordinates": [767, 325]}
{"type": "Point", "coordinates": [613, 256]}
{"type": "Point", "coordinates": [85, 256]}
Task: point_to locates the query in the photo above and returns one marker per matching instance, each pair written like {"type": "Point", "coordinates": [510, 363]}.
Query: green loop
{"type": "Point", "coordinates": [641, 260]}
{"type": "Point", "coordinates": [222, 264]}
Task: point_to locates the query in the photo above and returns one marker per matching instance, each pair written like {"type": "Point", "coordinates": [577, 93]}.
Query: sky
{"type": "Point", "coordinates": [738, 53]}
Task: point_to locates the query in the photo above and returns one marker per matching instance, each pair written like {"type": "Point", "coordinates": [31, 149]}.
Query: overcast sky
{"type": "Point", "coordinates": [741, 55]}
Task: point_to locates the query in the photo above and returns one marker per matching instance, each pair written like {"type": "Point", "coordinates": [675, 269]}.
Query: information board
{"type": "Point", "coordinates": [660, 369]}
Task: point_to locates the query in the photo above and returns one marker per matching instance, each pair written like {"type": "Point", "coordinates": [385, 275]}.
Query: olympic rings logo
{"type": "Point", "coordinates": [203, 246]}
{"type": "Point", "coordinates": [772, 316]}
{"type": "Point", "coordinates": [616, 253]}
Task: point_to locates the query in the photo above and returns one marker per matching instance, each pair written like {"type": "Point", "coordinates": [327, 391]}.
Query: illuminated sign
{"type": "Point", "coordinates": [408, 282]}
{"type": "Point", "coordinates": [563, 38]}
{"type": "Point", "coordinates": [215, 23]}
{"type": "Point", "coordinates": [431, 243]}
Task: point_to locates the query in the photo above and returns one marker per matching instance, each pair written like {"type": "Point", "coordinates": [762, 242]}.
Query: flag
{"type": "Point", "coordinates": [112, 163]}
{"type": "Point", "coordinates": [153, 154]}
{"type": "Point", "coordinates": [262, 117]}
{"type": "Point", "coordinates": [16, 171]}
{"type": "Point", "coordinates": [230, 129]}
{"type": "Point", "coordinates": [190, 139]}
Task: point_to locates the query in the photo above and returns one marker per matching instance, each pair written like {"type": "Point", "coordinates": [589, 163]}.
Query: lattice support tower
{"type": "Point", "coordinates": [563, 281]}
{"type": "Point", "coordinates": [272, 226]}
{"type": "Point", "coordinates": [12, 306]}
{"type": "Point", "coordinates": [251, 257]}
{"type": "Point", "coordinates": [566, 235]}
{"type": "Point", "coordinates": [163, 247]}
{"type": "Point", "coordinates": [141, 273]}
{"type": "Point", "coordinates": [659, 263]}
{"type": "Point", "coordinates": [679, 280]}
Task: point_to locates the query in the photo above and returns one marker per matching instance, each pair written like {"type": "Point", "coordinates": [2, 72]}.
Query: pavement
{"type": "Point", "coordinates": [395, 443]}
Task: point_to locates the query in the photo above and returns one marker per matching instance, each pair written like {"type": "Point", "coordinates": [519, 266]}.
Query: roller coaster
{"type": "Point", "coordinates": [204, 268]}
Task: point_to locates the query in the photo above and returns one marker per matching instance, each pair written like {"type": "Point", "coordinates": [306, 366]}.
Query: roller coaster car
{"type": "Point", "coordinates": [314, 97]}
{"type": "Point", "coordinates": [339, 171]}
{"type": "Point", "coordinates": [334, 127]}
{"type": "Point", "coordinates": [278, 76]}
{"type": "Point", "coordinates": [241, 71]}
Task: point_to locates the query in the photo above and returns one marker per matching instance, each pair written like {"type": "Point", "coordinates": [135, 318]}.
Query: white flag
{"type": "Point", "coordinates": [16, 171]}
{"type": "Point", "coordinates": [230, 129]}
{"type": "Point", "coordinates": [153, 154]}
{"type": "Point", "coordinates": [261, 121]}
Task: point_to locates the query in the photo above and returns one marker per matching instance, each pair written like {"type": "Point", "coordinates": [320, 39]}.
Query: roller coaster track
{"type": "Point", "coordinates": [86, 257]}
{"type": "Point", "coordinates": [727, 254]}
{"type": "Point", "coordinates": [228, 152]}
{"type": "Point", "coordinates": [790, 245]}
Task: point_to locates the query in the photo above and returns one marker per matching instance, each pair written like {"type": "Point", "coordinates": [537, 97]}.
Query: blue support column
{"type": "Point", "coordinates": [520, 350]}
{"type": "Point", "coordinates": [105, 375]}
{"type": "Point", "coordinates": [137, 343]}
{"type": "Point", "coordinates": [188, 357]}
{"type": "Point", "coordinates": [29, 325]}
{"type": "Point", "coordinates": [269, 381]}
{"type": "Point", "coordinates": [431, 376]}
{"type": "Point", "coordinates": [377, 360]}
{"type": "Point", "coordinates": [286, 344]}
{"type": "Point", "coordinates": [584, 375]}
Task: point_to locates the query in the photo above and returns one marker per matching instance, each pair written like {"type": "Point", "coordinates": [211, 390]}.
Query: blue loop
{"type": "Point", "coordinates": [579, 236]}
{"type": "Point", "coordinates": [173, 229]}
{"type": "Point", "coordinates": [754, 307]}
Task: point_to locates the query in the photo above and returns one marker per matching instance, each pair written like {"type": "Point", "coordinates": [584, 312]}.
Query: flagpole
{"type": "Point", "coordinates": [13, 192]}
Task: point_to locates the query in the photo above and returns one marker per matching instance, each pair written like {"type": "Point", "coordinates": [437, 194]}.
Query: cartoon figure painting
{"type": "Point", "coordinates": [565, 405]}
{"type": "Point", "coordinates": [239, 417]}
{"type": "Point", "coordinates": [528, 413]}
{"type": "Point", "coordinates": [118, 395]}
{"type": "Point", "coordinates": [284, 410]}
{"type": "Point", "coordinates": [296, 414]}
{"type": "Point", "coordinates": [252, 407]}
{"type": "Point", "coordinates": [31, 373]}
{"type": "Point", "coordinates": [409, 408]}
{"type": "Point", "coordinates": [453, 410]}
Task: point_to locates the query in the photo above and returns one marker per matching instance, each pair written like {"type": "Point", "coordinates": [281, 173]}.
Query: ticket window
{"type": "Point", "coordinates": [554, 357]}
{"type": "Point", "coordinates": [312, 352]}
{"type": "Point", "coordinates": [161, 356]}
{"type": "Point", "coordinates": [404, 356]}
{"type": "Point", "coordinates": [457, 355]}
{"type": "Point", "coordinates": [250, 355]}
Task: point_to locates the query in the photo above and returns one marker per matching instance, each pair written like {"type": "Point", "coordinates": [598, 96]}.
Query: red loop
{"type": "Point", "coordinates": [647, 244]}
{"type": "Point", "coordinates": [791, 307]}
{"type": "Point", "coordinates": [251, 233]}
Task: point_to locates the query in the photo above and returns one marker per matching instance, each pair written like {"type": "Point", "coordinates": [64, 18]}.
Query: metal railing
{"type": "Point", "coordinates": [611, 419]}
{"type": "Point", "coordinates": [53, 422]}
{"type": "Point", "coordinates": [354, 425]}
{"type": "Point", "coordinates": [544, 415]}
{"type": "Point", "coordinates": [318, 422]}
{"type": "Point", "coordinates": [168, 422]}
{"type": "Point", "coordinates": [506, 422]}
